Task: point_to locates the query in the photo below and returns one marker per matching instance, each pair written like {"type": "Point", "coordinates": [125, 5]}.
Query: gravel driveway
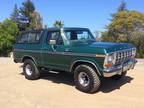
{"type": "Point", "coordinates": [56, 90]}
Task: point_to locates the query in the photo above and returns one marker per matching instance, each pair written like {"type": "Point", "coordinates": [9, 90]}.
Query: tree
{"type": "Point", "coordinates": [27, 9]}
{"type": "Point", "coordinates": [8, 33]}
{"type": "Point", "coordinates": [36, 20]}
{"type": "Point", "coordinates": [30, 19]}
{"type": "Point", "coordinates": [138, 41]}
{"type": "Point", "coordinates": [58, 24]}
{"type": "Point", "coordinates": [126, 26]}
{"type": "Point", "coordinates": [123, 6]}
{"type": "Point", "coordinates": [15, 14]}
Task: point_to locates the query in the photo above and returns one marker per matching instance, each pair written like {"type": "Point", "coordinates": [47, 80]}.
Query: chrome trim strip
{"type": "Point", "coordinates": [100, 55]}
{"type": "Point", "coordinates": [61, 53]}
{"type": "Point", "coordinates": [112, 74]}
{"type": "Point", "coordinates": [86, 61]}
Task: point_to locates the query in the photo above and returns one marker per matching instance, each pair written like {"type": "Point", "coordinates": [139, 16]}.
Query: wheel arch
{"type": "Point", "coordinates": [28, 57]}
{"type": "Point", "coordinates": [80, 62]}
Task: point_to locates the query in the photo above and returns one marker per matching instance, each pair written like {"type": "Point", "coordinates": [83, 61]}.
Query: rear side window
{"type": "Point", "coordinates": [23, 38]}
{"type": "Point", "coordinates": [31, 37]}
{"type": "Point", "coordinates": [34, 37]}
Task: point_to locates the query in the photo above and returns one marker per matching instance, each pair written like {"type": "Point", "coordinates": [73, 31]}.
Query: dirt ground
{"type": "Point", "coordinates": [58, 91]}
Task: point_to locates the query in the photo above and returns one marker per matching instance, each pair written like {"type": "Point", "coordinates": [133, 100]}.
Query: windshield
{"type": "Point", "coordinates": [80, 35]}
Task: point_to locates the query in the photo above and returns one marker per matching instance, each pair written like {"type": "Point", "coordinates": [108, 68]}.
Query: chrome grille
{"type": "Point", "coordinates": [123, 56]}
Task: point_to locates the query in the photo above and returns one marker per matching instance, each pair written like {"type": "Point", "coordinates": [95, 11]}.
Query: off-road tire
{"type": "Point", "coordinates": [95, 81]}
{"type": "Point", "coordinates": [35, 74]}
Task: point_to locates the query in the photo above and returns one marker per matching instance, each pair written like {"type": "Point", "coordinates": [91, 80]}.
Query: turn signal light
{"type": "Point", "coordinates": [108, 65]}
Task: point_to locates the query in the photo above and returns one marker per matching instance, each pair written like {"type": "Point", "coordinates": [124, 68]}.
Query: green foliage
{"type": "Point", "coordinates": [36, 21]}
{"type": "Point", "coordinates": [25, 11]}
{"type": "Point", "coordinates": [30, 19]}
{"type": "Point", "coordinates": [138, 41]}
{"type": "Point", "coordinates": [27, 8]}
{"type": "Point", "coordinates": [8, 32]}
{"type": "Point", "coordinates": [58, 24]}
{"type": "Point", "coordinates": [126, 26]}
{"type": "Point", "coordinates": [21, 19]}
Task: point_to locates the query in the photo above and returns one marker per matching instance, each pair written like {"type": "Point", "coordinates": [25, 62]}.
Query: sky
{"type": "Point", "coordinates": [93, 14]}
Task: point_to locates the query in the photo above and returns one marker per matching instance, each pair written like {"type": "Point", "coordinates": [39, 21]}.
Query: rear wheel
{"type": "Point", "coordinates": [118, 77]}
{"type": "Point", "coordinates": [30, 70]}
{"type": "Point", "coordinates": [86, 79]}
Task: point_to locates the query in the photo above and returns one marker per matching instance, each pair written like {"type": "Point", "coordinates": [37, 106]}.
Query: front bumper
{"type": "Point", "coordinates": [117, 70]}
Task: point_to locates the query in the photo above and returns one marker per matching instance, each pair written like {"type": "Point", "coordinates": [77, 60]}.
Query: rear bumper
{"type": "Point", "coordinates": [119, 69]}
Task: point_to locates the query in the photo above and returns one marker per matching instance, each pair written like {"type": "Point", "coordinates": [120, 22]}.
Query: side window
{"type": "Point", "coordinates": [32, 37]}
{"type": "Point", "coordinates": [82, 35]}
{"type": "Point", "coordinates": [38, 36]}
{"type": "Point", "coordinates": [55, 36]}
{"type": "Point", "coordinates": [23, 38]}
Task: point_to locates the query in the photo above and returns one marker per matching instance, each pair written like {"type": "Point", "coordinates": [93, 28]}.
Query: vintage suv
{"type": "Point", "coordinates": [73, 50]}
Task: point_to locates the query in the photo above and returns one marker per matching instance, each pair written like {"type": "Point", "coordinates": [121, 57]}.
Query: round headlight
{"type": "Point", "coordinates": [110, 58]}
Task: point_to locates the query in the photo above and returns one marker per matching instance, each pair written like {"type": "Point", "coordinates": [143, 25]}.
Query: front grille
{"type": "Point", "coordinates": [123, 56]}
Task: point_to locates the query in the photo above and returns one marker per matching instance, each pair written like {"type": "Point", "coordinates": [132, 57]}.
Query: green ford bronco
{"type": "Point", "coordinates": [73, 50]}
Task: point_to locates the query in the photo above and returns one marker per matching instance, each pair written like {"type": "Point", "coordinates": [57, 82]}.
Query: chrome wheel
{"type": "Point", "coordinates": [84, 79]}
{"type": "Point", "coordinates": [28, 70]}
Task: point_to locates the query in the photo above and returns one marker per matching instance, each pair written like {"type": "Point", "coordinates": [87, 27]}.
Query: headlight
{"type": "Point", "coordinates": [110, 60]}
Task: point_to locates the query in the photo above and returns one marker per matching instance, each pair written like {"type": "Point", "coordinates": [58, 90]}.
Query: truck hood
{"type": "Point", "coordinates": [111, 47]}
{"type": "Point", "coordinates": [107, 46]}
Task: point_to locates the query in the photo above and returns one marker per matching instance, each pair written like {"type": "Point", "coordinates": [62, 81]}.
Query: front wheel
{"type": "Point", "coordinates": [86, 79]}
{"type": "Point", "coordinates": [30, 70]}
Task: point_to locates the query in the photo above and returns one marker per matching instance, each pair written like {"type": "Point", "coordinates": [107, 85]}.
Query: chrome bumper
{"type": "Point", "coordinates": [117, 70]}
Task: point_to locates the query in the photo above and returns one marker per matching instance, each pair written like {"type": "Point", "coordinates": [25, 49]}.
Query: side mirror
{"type": "Point", "coordinates": [52, 42]}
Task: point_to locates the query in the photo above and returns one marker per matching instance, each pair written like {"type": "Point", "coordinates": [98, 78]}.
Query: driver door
{"type": "Point", "coordinates": [54, 54]}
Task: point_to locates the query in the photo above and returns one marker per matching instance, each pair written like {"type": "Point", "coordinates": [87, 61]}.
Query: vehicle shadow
{"type": "Point", "coordinates": [108, 85]}
{"type": "Point", "coordinates": [58, 77]}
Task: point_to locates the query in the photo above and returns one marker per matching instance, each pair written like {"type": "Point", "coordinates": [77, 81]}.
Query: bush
{"type": "Point", "coordinates": [8, 32]}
